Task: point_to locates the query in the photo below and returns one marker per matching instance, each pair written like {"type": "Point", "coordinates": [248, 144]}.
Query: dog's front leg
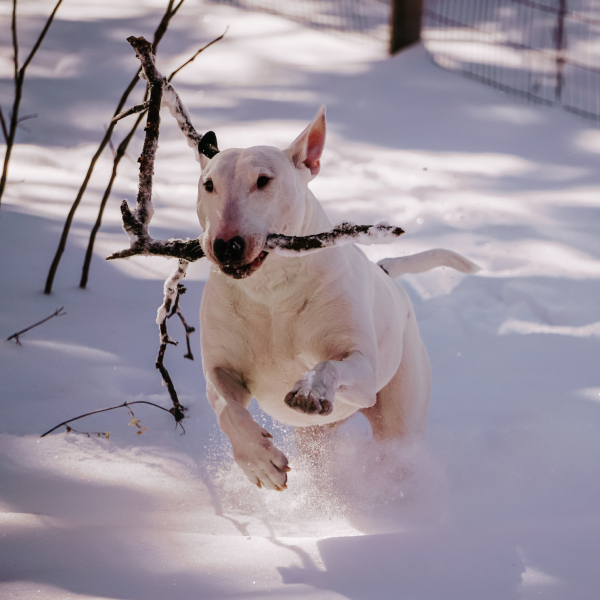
{"type": "Point", "coordinates": [353, 377]}
{"type": "Point", "coordinates": [253, 449]}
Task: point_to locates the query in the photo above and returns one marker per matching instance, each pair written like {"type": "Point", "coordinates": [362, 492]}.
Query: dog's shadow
{"type": "Point", "coordinates": [415, 566]}
{"type": "Point", "coordinates": [384, 487]}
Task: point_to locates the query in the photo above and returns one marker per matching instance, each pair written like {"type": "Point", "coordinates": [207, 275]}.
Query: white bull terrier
{"type": "Point", "coordinates": [314, 338]}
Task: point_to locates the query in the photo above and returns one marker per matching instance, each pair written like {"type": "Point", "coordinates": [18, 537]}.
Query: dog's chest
{"type": "Point", "coordinates": [277, 337]}
{"type": "Point", "coordinates": [274, 335]}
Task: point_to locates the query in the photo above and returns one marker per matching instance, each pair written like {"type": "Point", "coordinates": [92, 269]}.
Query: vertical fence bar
{"type": "Point", "coordinates": [406, 23]}
{"type": "Point", "coordinates": [559, 38]}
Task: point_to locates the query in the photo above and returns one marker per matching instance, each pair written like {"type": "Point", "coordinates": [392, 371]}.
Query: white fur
{"type": "Point", "coordinates": [330, 331]}
{"type": "Point", "coordinates": [425, 261]}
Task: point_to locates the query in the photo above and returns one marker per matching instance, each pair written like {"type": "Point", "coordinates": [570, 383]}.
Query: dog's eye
{"type": "Point", "coordinates": [208, 185]}
{"type": "Point", "coordinates": [262, 181]}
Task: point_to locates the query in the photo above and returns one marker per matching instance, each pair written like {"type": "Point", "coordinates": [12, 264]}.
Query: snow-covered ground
{"type": "Point", "coordinates": [504, 500]}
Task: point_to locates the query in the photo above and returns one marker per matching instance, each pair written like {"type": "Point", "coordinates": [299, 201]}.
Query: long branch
{"type": "Point", "coordinates": [136, 222]}
{"type": "Point", "coordinates": [101, 410]}
{"type": "Point", "coordinates": [171, 299]}
{"type": "Point", "coordinates": [140, 108]}
{"type": "Point", "coordinates": [116, 160]}
{"type": "Point", "coordinates": [190, 60]}
{"type": "Point", "coordinates": [57, 313]}
{"type": "Point", "coordinates": [344, 233]}
{"type": "Point", "coordinates": [41, 37]}
{"type": "Point", "coordinates": [158, 35]}
{"type": "Point", "coordinates": [19, 78]}
{"type": "Point", "coordinates": [15, 42]}
{"type": "Point", "coordinates": [3, 124]}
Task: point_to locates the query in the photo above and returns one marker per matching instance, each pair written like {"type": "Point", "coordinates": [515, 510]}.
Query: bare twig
{"type": "Point", "coordinates": [189, 250]}
{"type": "Point", "coordinates": [13, 27]}
{"type": "Point", "coordinates": [118, 155]}
{"type": "Point", "coordinates": [101, 410]}
{"type": "Point", "coordinates": [170, 12]}
{"type": "Point", "coordinates": [19, 76]}
{"type": "Point", "coordinates": [144, 106]}
{"type": "Point", "coordinates": [3, 123]}
{"type": "Point", "coordinates": [111, 145]}
{"type": "Point", "coordinates": [131, 111]}
{"type": "Point", "coordinates": [171, 298]}
{"type": "Point", "coordinates": [57, 313]}
{"type": "Point", "coordinates": [344, 233]}
{"type": "Point", "coordinates": [116, 160]}
{"type": "Point", "coordinates": [188, 329]}
{"type": "Point", "coordinates": [27, 117]}
{"type": "Point", "coordinates": [186, 63]}
{"type": "Point", "coordinates": [136, 222]}
{"type": "Point", "coordinates": [341, 234]}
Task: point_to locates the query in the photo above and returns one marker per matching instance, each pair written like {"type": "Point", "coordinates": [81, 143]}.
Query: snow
{"type": "Point", "coordinates": [501, 502]}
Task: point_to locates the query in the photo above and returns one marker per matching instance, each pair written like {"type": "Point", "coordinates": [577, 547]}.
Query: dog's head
{"type": "Point", "coordinates": [245, 194]}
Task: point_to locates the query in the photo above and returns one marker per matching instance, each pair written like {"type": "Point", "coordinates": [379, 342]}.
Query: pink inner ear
{"type": "Point", "coordinates": [314, 146]}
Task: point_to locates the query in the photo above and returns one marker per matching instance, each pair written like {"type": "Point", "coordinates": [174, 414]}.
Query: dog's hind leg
{"type": "Point", "coordinates": [403, 404]}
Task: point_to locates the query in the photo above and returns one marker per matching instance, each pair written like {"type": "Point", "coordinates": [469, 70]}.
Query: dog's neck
{"type": "Point", "coordinates": [315, 219]}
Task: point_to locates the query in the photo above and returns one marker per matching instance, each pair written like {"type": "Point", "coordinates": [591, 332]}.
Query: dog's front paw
{"type": "Point", "coordinates": [263, 463]}
{"type": "Point", "coordinates": [311, 395]}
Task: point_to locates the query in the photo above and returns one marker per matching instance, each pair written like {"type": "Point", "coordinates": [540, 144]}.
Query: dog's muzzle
{"type": "Point", "coordinates": [230, 255]}
{"type": "Point", "coordinates": [230, 251]}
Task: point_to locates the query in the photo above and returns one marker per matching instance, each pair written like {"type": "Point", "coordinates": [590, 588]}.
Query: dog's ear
{"type": "Point", "coordinates": [306, 149]}
{"type": "Point", "coordinates": [207, 147]}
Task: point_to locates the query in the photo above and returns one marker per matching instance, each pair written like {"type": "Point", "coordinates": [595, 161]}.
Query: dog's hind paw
{"type": "Point", "coordinates": [311, 396]}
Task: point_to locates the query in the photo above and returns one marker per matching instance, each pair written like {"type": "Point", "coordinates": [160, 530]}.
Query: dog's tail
{"type": "Point", "coordinates": [425, 261]}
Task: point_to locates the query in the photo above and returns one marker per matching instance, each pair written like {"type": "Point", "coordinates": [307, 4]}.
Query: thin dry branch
{"type": "Point", "coordinates": [171, 299]}
{"type": "Point", "coordinates": [19, 76]}
{"type": "Point", "coordinates": [3, 124]}
{"type": "Point", "coordinates": [136, 222]}
{"type": "Point", "coordinates": [189, 250]}
{"type": "Point", "coordinates": [15, 43]}
{"type": "Point", "coordinates": [187, 62]}
{"type": "Point", "coordinates": [118, 155]}
{"type": "Point", "coordinates": [101, 410]}
{"type": "Point", "coordinates": [188, 329]}
{"type": "Point", "coordinates": [57, 313]}
{"type": "Point", "coordinates": [143, 107]}
{"type": "Point", "coordinates": [341, 234]}
{"type": "Point", "coordinates": [170, 12]}
{"type": "Point", "coordinates": [140, 108]}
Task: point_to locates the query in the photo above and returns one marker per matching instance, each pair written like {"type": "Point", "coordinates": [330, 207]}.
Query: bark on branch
{"type": "Point", "coordinates": [136, 222]}
{"type": "Point", "coordinates": [170, 12]}
{"type": "Point", "coordinates": [57, 313]}
{"type": "Point", "coordinates": [285, 245]}
{"type": "Point", "coordinates": [140, 109]}
{"type": "Point", "coordinates": [10, 131]}
{"type": "Point", "coordinates": [101, 410]}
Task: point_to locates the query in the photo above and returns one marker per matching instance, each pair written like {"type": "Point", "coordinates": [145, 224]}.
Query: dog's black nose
{"type": "Point", "coordinates": [230, 251]}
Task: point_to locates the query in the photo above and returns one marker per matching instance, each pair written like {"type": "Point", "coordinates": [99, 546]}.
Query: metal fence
{"type": "Point", "coordinates": [546, 51]}
{"type": "Point", "coordinates": [367, 18]}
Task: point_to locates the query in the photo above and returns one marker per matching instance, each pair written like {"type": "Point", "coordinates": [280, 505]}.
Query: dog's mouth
{"type": "Point", "coordinates": [243, 271]}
